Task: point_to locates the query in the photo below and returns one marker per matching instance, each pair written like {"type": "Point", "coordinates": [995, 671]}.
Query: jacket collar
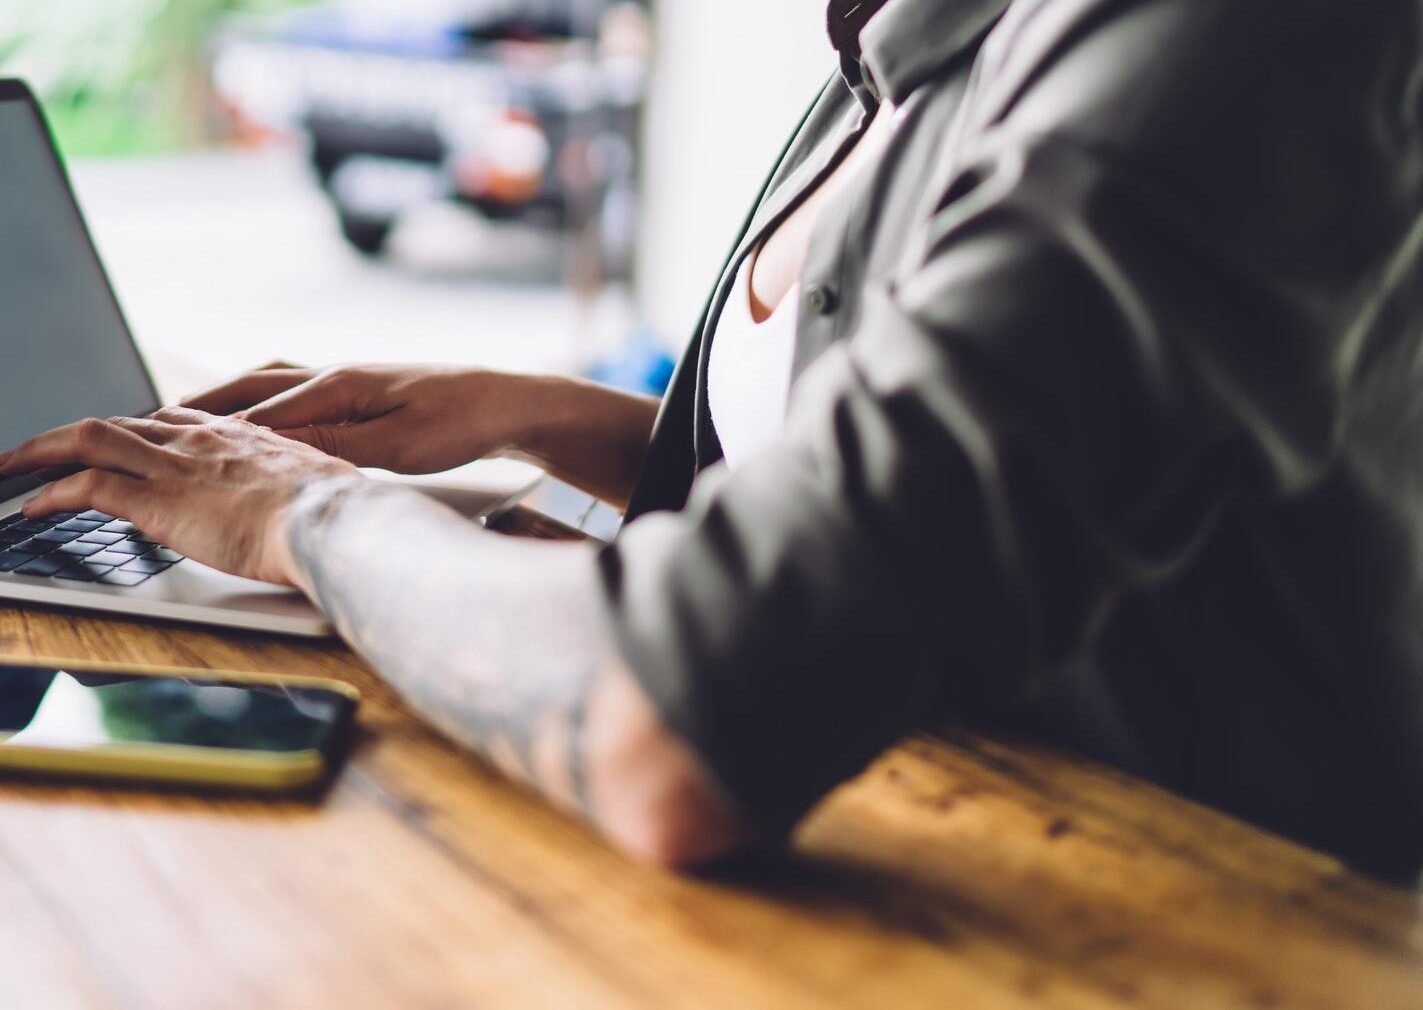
{"type": "Point", "coordinates": [889, 47]}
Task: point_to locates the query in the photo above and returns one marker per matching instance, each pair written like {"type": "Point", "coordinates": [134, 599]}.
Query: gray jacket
{"type": "Point", "coordinates": [1105, 425]}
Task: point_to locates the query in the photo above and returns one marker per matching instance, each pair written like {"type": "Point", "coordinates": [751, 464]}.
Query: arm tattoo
{"type": "Point", "coordinates": [500, 643]}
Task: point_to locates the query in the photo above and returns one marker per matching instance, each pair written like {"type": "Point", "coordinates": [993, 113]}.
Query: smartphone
{"type": "Point", "coordinates": [174, 727]}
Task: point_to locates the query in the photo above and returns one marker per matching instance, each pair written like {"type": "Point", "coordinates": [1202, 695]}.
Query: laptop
{"type": "Point", "coordinates": [66, 353]}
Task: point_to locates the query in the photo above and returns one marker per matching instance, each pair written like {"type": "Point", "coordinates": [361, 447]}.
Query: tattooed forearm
{"type": "Point", "coordinates": [498, 642]}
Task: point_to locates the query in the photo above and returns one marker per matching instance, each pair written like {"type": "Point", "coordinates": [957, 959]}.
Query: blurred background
{"type": "Point", "coordinates": [524, 184]}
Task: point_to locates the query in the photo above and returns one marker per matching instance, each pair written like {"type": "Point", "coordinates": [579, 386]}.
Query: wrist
{"type": "Point", "coordinates": [297, 528]}
{"type": "Point", "coordinates": [542, 407]}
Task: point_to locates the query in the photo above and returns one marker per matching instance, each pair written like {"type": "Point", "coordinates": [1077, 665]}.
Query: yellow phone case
{"type": "Point", "coordinates": [174, 763]}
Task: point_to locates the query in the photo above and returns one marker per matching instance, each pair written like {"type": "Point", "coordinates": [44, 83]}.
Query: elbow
{"type": "Point", "coordinates": [680, 828]}
{"type": "Point", "coordinates": [648, 791]}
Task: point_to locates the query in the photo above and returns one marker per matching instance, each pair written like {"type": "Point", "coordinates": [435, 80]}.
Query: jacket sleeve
{"type": "Point", "coordinates": [1135, 304]}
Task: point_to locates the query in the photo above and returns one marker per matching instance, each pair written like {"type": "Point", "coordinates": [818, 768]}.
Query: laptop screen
{"type": "Point", "coordinates": [65, 351]}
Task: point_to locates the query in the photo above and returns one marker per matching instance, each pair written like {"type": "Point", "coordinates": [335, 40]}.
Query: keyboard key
{"type": "Point", "coordinates": [121, 526]}
{"type": "Point", "coordinates": [80, 526]}
{"type": "Point", "coordinates": [124, 578]}
{"type": "Point", "coordinates": [167, 554]}
{"type": "Point", "coordinates": [8, 537]}
{"type": "Point", "coordinates": [101, 537]}
{"type": "Point", "coordinates": [113, 558]}
{"type": "Point", "coordinates": [129, 547]}
{"type": "Point", "coordinates": [10, 560]}
{"type": "Point", "coordinates": [31, 526]}
{"type": "Point", "coordinates": [146, 566]}
{"type": "Point", "coordinates": [44, 565]}
{"type": "Point", "coordinates": [35, 546]}
{"type": "Point", "coordinates": [59, 517]}
{"type": "Point", "coordinates": [79, 549]}
{"type": "Point", "coordinates": [96, 517]}
{"type": "Point", "coordinates": [138, 538]}
{"type": "Point", "coordinates": [11, 519]}
{"type": "Point", "coordinates": [84, 571]}
{"type": "Point", "coordinates": [58, 536]}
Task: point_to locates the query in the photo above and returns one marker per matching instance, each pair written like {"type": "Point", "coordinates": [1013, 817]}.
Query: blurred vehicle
{"type": "Point", "coordinates": [524, 110]}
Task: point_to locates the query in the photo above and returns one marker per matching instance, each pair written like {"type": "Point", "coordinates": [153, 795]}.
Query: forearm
{"type": "Point", "coordinates": [591, 436]}
{"type": "Point", "coordinates": [504, 646]}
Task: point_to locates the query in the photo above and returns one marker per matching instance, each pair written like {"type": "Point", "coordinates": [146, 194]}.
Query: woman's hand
{"type": "Point", "coordinates": [424, 419]}
{"type": "Point", "coordinates": [215, 489]}
{"type": "Point", "coordinates": [406, 418]}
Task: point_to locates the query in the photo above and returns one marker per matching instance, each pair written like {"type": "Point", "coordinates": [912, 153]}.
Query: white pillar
{"type": "Point", "coordinates": [731, 80]}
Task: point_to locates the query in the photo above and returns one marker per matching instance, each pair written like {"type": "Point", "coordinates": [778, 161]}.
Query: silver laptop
{"type": "Point", "coordinates": [66, 353]}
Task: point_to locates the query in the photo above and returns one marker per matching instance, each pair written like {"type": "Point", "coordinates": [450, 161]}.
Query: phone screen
{"type": "Point", "coordinates": [82, 709]}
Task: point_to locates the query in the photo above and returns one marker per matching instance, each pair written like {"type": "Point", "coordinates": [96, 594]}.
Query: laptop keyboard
{"type": "Point", "coordinates": [82, 547]}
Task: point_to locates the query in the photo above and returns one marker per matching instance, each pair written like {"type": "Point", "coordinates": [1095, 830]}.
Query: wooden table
{"type": "Point", "coordinates": [959, 873]}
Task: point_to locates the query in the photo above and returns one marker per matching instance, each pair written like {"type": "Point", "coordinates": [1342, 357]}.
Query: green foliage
{"type": "Point", "coordinates": [119, 76]}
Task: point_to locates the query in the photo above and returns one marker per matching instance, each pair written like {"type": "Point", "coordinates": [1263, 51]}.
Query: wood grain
{"type": "Point", "coordinates": [958, 872]}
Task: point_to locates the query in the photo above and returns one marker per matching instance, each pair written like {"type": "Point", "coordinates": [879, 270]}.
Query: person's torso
{"type": "Point", "coordinates": [1281, 675]}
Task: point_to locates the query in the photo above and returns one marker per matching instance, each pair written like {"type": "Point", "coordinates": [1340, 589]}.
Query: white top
{"type": "Point", "coordinates": [749, 371]}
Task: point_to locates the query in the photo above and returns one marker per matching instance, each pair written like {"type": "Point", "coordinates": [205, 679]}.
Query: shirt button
{"type": "Point", "coordinates": [820, 299]}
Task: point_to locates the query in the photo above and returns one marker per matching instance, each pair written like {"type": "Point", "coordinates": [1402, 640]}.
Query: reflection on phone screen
{"type": "Point", "coordinates": [81, 710]}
